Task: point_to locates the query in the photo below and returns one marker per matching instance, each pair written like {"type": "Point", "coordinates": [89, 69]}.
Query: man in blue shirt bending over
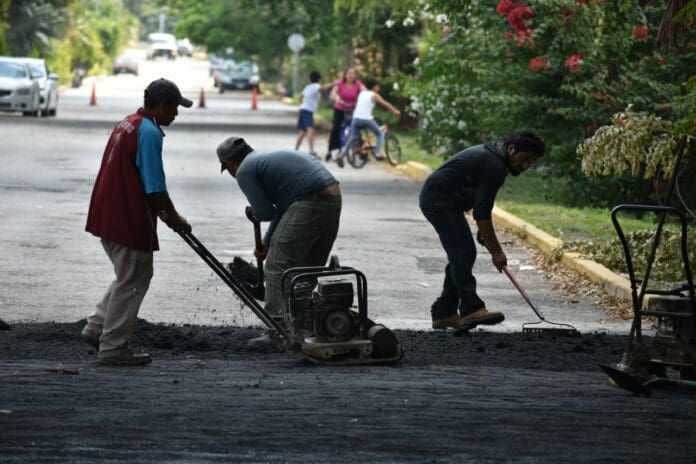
{"type": "Point", "coordinates": [300, 198]}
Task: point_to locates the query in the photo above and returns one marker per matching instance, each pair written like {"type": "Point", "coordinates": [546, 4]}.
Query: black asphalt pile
{"type": "Point", "coordinates": [62, 342]}
{"type": "Point", "coordinates": [243, 271]}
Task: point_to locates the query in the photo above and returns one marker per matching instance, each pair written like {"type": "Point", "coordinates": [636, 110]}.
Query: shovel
{"type": "Point", "coordinates": [635, 385]}
{"type": "Point", "coordinates": [258, 290]}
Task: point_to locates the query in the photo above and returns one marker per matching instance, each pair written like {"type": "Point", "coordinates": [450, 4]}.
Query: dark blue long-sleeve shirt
{"type": "Point", "coordinates": [272, 181]}
{"type": "Point", "coordinates": [470, 179]}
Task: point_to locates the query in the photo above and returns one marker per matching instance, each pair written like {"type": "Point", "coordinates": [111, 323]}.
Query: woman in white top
{"type": "Point", "coordinates": [362, 116]}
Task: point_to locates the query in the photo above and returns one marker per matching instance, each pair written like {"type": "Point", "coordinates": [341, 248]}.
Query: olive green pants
{"type": "Point", "coordinates": [304, 237]}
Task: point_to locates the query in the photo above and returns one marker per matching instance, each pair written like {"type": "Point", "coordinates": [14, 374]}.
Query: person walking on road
{"type": "Point", "coordinates": [302, 201]}
{"type": "Point", "coordinates": [309, 99]}
{"type": "Point", "coordinates": [362, 117]}
{"type": "Point", "coordinates": [345, 95]}
{"type": "Point", "coordinates": [129, 195]}
{"type": "Point", "coordinates": [470, 180]}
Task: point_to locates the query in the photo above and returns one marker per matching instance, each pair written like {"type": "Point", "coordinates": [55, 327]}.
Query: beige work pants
{"type": "Point", "coordinates": [116, 314]}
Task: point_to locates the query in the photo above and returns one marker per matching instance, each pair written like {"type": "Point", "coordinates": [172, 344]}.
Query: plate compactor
{"type": "Point", "coordinates": [671, 360]}
{"type": "Point", "coordinates": [319, 319]}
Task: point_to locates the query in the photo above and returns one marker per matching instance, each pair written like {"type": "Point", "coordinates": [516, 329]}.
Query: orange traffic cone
{"type": "Point", "coordinates": [254, 98]}
{"type": "Point", "coordinates": [201, 99]}
{"type": "Point", "coordinates": [93, 98]}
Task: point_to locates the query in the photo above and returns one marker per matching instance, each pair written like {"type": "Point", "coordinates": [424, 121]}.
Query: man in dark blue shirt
{"type": "Point", "coordinates": [467, 181]}
{"type": "Point", "coordinates": [301, 199]}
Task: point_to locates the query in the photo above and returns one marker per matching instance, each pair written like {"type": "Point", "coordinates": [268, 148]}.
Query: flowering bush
{"type": "Point", "coordinates": [561, 67]}
{"type": "Point", "coordinates": [573, 63]}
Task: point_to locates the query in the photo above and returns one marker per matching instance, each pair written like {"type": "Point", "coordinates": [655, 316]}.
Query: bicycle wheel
{"type": "Point", "coordinates": [357, 155]}
{"type": "Point", "coordinates": [392, 149]}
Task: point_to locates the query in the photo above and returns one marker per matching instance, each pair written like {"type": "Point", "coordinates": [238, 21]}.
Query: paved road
{"type": "Point", "coordinates": [53, 271]}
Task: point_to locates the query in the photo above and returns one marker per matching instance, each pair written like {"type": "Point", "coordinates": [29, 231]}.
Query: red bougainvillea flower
{"type": "Point", "coordinates": [524, 38]}
{"type": "Point", "coordinates": [573, 63]}
{"type": "Point", "coordinates": [518, 16]}
{"type": "Point", "coordinates": [538, 63]}
{"type": "Point", "coordinates": [505, 7]}
{"type": "Point", "coordinates": [508, 35]}
{"type": "Point", "coordinates": [640, 32]}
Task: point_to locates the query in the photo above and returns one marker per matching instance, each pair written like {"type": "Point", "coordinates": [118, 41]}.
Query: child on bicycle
{"type": "Point", "coordinates": [362, 117]}
{"type": "Point", "coordinates": [309, 99]}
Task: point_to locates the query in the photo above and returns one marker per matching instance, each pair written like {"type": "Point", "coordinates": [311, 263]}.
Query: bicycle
{"type": "Point", "coordinates": [362, 147]}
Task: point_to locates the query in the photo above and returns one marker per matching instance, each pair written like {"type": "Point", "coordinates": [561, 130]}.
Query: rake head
{"type": "Point", "coordinates": [547, 327]}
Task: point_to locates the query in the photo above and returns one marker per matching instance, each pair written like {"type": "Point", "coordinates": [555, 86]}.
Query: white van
{"type": "Point", "coordinates": [161, 44]}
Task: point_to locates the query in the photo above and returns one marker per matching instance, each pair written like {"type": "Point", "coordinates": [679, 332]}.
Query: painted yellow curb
{"type": "Point", "coordinates": [613, 284]}
{"type": "Point", "coordinates": [414, 170]}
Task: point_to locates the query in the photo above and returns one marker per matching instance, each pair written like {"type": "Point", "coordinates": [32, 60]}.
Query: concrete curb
{"type": "Point", "coordinates": [612, 283]}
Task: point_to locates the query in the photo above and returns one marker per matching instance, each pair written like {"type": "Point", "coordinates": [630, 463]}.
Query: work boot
{"type": "Point", "coordinates": [481, 317]}
{"type": "Point", "coordinates": [91, 336]}
{"type": "Point", "coordinates": [449, 321]}
{"type": "Point", "coordinates": [123, 357]}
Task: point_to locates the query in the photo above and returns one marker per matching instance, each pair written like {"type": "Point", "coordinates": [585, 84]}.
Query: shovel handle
{"type": "Point", "coordinates": [257, 227]}
{"type": "Point", "coordinates": [257, 242]}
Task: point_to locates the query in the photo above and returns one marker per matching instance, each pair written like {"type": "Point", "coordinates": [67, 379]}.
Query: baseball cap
{"type": "Point", "coordinates": [163, 90]}
{"type": "Point", "coordinates": [230, 149]}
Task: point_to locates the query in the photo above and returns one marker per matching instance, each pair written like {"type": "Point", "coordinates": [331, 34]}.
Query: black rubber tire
{"type": "Point", "coordinates": [392, 148]}
{"type": "Point", "coordinates": [356, 156]}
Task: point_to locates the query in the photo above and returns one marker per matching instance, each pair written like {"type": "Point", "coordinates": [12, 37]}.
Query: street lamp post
{"type": "Point", "coordinates": [296, 43]}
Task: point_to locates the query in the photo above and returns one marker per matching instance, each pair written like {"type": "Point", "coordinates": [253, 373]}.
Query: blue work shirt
{"type": "Point", "coordinates": [272, 181]}
{"type": "Point", "coordinates": [148, 159]}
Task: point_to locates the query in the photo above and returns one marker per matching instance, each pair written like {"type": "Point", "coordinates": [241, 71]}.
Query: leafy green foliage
{"type": "Point", "coordinates": [564, 70]}
{"type": "Point", "coordinates": [640, 144]}
{"type": "Point", "coordinates": [69, 33]}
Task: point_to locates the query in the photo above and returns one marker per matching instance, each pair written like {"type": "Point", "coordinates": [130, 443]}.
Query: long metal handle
{"type": "Point", "coordinates": [522, 292]}
{"type": "Point", "coordinates": [231, 281]}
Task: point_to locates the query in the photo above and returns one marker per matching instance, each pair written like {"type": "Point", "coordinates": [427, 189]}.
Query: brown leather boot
{"type": "Point", "coordinates": [449, 321]}
{"type": "Point", "coordinates": [481, 317]}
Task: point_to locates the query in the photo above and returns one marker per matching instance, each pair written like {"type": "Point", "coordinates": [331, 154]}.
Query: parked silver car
{"type": "Point", "coordinates": [237, 75]}
{"type": "Point", "coordinates": [48, 84]}
{"type": "Point", "coordinates": [18, 90]}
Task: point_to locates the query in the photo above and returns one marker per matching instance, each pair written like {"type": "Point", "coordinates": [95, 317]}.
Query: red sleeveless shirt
{"type": "Point", "coordinates": [118, 211]}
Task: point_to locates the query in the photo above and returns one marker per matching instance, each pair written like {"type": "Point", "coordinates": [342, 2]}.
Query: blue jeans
{"type": "Point", "coordinates": [355, 127]}
{"type": "Point", "coordinates": [459, 287]}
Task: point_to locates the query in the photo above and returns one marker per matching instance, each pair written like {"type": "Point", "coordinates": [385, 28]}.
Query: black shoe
{"type": "Point", "coordinates": [327, 157]}
{"type": "Point", "coordinates": [123, 357]}
{"type": "Point", "coordinates": [339, 161]}
{"type": "Point", "coordinates": [91, 337]}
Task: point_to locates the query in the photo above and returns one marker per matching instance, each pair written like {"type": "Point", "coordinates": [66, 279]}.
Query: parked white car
{"type": "Point", "coordinates": [161, 44]}
{"type": "Point", "coordinates": [48, 85]}
{"type": "Point", "coordinates": [18, 91]}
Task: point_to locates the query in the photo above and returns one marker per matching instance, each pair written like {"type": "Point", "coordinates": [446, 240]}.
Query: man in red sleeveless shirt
{"type": "Point", "coordinates": [129, 195]}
